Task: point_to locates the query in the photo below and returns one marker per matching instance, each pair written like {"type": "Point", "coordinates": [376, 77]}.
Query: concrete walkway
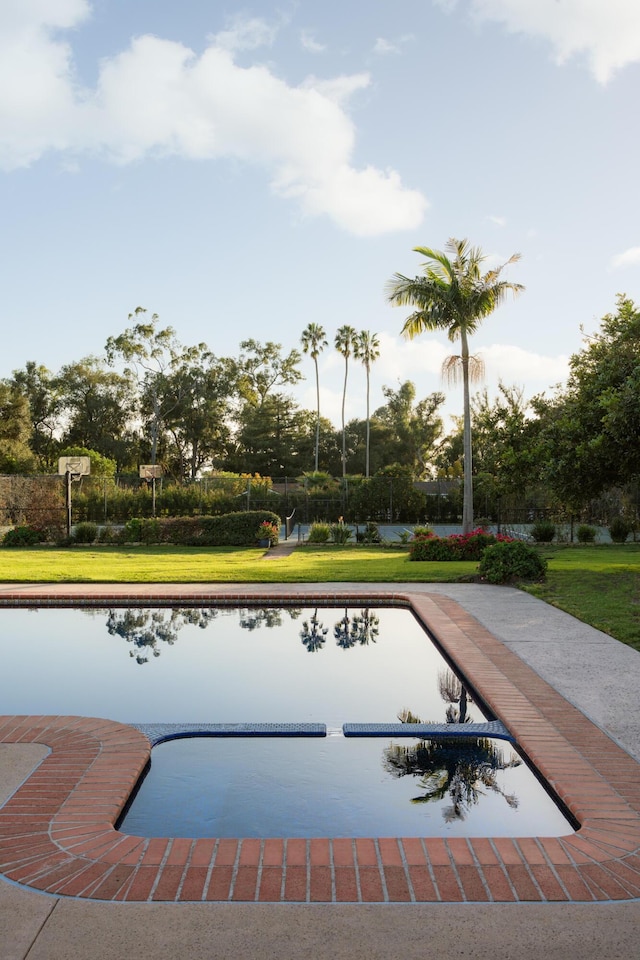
{"type": "Point", "coordinates": [594, 672]}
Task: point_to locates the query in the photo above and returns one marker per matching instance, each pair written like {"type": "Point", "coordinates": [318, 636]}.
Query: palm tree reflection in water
{"type": "Point", "coordinates": [313, 633]}
{"type": "Point", "coordinates": [463, 769]}
{"type": "Point", "coordinates": [360, 630]}
{"type": "Point", "coordinates": [453, 691]}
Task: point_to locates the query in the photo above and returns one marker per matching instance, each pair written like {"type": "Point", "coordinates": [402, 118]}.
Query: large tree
{"type": "Point", "coordinates": [151, 356]}
{"type": "Point", "coordinates": [314, 341]}
{"type": "Point", "coordinates": [41, 388]}
{"type": "Point", "coordinates": [99, 407]}
{"type": "Point", "coordinates": [15, 427]}
{"type": "Point", "coordinates": [589, 433]}
{"type": "Point", "coordinates": [261, 367]}
{"type": "Point", "coordinates": [414, 427]}
{"type": "Point", "coordinates": [454, 295]}
{"type": "Point", "coordinates": [198, 400]}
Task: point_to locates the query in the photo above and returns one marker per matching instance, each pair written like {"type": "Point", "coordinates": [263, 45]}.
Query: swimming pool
{"type": "Point", "coordinates": [187, 667]}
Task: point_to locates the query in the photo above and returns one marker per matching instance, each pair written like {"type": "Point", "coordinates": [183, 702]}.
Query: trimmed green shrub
{"type": "Point", "coordinates": [510, 562]}
{"type": "Point", "coordinates": [586, 533]}
{"type": "Point", "coordinates": [85, 533]}
{"type": "Point", "coordinates": [619, 529]}
{"type": "Point", "coordinates": [543, 531]}
{"type": "Point", "coordinates": [227, 530]}
{"type": "Point", "coordinates": [24, 536]}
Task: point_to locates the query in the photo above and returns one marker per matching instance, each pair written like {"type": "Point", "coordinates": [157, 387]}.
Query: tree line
{"type": "Point", "coordinates": [150, 399]}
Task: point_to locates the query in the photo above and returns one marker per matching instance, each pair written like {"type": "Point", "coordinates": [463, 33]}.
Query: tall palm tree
{"type": "Point", "coordinates": [367, 350]}
{"type": "Point", "coordinates": [345, 343]}
{"type": "Point", "coordinates": [454, 296]}
{"type": "Point", "coordinates": [314, 341]}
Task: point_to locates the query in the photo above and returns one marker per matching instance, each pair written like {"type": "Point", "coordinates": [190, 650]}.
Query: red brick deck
{"type": "Point", "coordinates": [57, 835]}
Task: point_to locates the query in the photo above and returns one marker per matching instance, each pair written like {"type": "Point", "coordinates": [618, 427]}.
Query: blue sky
{"type": "Point", "coordinates": [243, 170]}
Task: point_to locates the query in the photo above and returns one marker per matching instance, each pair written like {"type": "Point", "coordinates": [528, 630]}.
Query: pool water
{"type": "Point", "coordinates": [339, 787]}
{"type": "Point", "coordinates": [222, 665]}
{"type": "Point", "coordinates": [330, 665]}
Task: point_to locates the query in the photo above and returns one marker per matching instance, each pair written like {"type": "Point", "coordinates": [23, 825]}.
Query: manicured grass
{"type": "Point", "coordinates": [599, 584]}
{"type": "Point", "coordinates": [164, 564]}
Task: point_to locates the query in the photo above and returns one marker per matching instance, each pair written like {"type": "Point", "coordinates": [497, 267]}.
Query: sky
{"type": "Point", "coordinates": [244, 170]}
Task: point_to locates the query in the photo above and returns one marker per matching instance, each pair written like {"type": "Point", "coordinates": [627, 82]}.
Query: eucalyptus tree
{"type": "Point", "coordinates": [367, 351]}
{"type": "Point", "coordinates": [314, 341]}
{"type": "Point", "coordinates": [15, 427]}
{"type": "Point", "coordinates": [151, 356]}
{"type": "Point", "coordinates": [345, 341]}
{"type": "Point", "coordinates": [454, 295]}
{"type": "Point", "coordinates": [198, 398]}
{"type": "Point", "coordinates": [41, 388]}
{"type": "Point", "coordinates": [98, 406]}
{"type": "Point", "coordinates": [261, 367]}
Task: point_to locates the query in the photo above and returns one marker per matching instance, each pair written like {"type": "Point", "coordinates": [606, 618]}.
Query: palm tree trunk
{"type": "Point", "coordinates": [344, 432]}
{"type": "Point", "coordinates": [368, 428]}
{"type": "Point", "coordinates": [467, 496]}
{"type": "Point", "coordinates": [318, 417]}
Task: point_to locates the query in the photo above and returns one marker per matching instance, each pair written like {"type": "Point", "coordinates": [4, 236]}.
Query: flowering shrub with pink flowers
{"type": "Point", "coordinates": [458, 546]}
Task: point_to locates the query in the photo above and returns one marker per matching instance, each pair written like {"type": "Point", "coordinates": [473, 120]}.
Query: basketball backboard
{"type": "Point", "coordinates": [76, 466]}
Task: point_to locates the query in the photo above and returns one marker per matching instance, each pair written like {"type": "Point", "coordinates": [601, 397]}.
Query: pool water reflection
{"type": "Point", "coordinates": [331, 665]}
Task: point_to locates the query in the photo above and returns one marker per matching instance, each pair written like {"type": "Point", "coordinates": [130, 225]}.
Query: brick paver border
{"type": "Point", "coordinates": [57, 833]}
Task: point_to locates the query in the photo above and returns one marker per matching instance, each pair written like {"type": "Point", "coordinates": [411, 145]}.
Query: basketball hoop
{"type": "Point", "coordinates": [76, 466]}
{"type": "Point", "coordinates": [73, 468]}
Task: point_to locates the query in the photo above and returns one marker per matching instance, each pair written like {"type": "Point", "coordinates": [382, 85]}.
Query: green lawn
{"type": "Point", "coordinates": [599, 584]}
{"type": "Point", "coordinates": [165, 564]}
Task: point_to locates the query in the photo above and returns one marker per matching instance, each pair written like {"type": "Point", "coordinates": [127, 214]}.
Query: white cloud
{"type": "Point", "coordinates": [499, 221]}
{"type": "Point", "coordinates": [159, 98]}
{"type": "Point", "coordinates": [512, 364]}
{"type": "Point", "coordinates": [38, 97]}
{"type": "Point", "coordinates": [245, 34]}
{"type": "Point", "coordinates": [606, 31]}
{"type": "Point", "coordinates": [420, 361]}
{"type": "Point", "coordinates": [309, 43]}
{"type": "Point", "coordinates": [385, 46]}
{"type": "Point", "coordinates": [627, 258]}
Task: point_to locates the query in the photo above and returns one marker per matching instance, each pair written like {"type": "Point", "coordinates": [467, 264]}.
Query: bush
{"type": "Point", "coordinates": [510, 562]}
{"type": "Point", "coordinates": [423, 532]}
{"type": "Point", "coordinates": [370, 534]}
{"type": "Point", "coordinates": [319, 532]}
{"type": "Point", "coordinates": [24, 536]}
{"type": "Point", "coordinates": [85, 533]}
{"type": "Point", "coordinates": [586, 533]}
{"type": "Point", "coordinates": [543, 531]}
{"type": "Point", "coordinates": [340, 532]}
{"type": "Point", "coordinates": [458, 546]}
{"type": "Point", "coordinates": [227, 530]}
{"type": "Point", "coordinates": [619, 529]}
{"type": "Point", "coordinates": [268, 531]}
{"type": "Point", "coordinates": [109, 534]}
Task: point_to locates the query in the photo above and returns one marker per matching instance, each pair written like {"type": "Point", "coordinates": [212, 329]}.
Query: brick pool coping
{"type": "Point", "coordinates": [57, 834]}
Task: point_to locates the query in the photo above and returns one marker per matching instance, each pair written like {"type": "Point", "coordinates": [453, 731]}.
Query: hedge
{"type": "Point", "coordinates": [227, 530]}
